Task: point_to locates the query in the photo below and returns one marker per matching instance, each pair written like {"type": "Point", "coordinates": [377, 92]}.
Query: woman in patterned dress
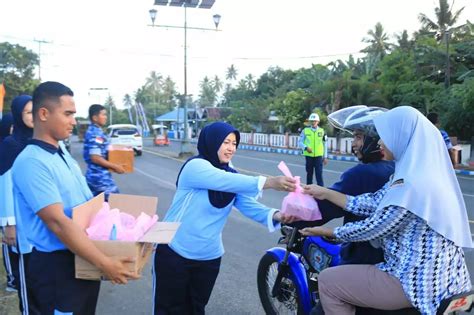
{"type": "Point", "coordinates": [419, 219]}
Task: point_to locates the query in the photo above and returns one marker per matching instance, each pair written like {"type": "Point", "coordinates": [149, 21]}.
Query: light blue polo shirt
{"type": "Point", "coordinates": [42, 176]}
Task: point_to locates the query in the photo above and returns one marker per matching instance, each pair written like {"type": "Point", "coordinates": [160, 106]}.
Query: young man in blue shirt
{"type": "Point", "coordinates": [96, 145]}
{"type": "Point", "coordinates": [48, 183]}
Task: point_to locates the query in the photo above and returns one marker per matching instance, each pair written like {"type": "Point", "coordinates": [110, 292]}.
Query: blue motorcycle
{"type": "Point", "coordinates": [288, 278]}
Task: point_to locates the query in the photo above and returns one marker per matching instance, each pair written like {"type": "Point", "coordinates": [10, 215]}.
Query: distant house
{"type": "Point", "coordinates": [174, 120]}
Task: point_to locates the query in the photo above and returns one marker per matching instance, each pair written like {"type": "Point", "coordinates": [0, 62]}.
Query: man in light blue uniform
{"type": "Point", "coordinates": [96, 145]}
{"type": "Point", "coordinates": [47, 184]}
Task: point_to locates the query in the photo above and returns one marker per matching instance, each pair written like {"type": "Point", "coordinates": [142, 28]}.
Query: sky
{"type": "Point", "coordinates": [110, 45]}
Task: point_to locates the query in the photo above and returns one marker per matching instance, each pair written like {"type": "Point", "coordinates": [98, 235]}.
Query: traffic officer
{"type": "Point", "coordinates": [47, 184]}
{"type": "Point", "coordinates": [313, 143]}
{"type": "Point", "coordinates": [95, 154]}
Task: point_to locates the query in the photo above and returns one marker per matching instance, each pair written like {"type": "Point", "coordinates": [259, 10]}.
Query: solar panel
{"type": "Point", "coordinates": [206, 4]}
{"type": "Point", "coordinates": [176, 3]}
{"type": "Point", "coordinates": [202, 4]}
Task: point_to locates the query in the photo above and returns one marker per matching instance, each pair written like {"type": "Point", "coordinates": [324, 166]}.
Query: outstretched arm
{"type": "Point", "coordinates": [76, 240]}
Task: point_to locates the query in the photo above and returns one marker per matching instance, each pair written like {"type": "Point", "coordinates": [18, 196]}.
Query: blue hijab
{"type": "Point", "coordinates": [5, 126]}
{"type": "Point", "coordinates": [210, 140]}
{"type": "Point", "coordinates": [14, 144]}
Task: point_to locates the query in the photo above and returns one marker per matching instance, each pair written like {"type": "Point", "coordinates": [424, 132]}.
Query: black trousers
{"type": "Point", "coordinates": [53, 284]}
{"type": "Point", "coordinates": [182, 286]}
{"type": "Point", "coordinates": [314, 165]}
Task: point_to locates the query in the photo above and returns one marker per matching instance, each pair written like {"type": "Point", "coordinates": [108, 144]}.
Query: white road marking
{"type": "Point", "coordinates": [161, 181]}
{"type": "Point", "coordinates": [275, 162]}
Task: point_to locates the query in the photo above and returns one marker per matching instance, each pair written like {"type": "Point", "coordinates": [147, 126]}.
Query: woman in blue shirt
{"type": "Point", "coordinates": [207, 188]}
{"type": "Point", "coordinates": [419, 217]}
{"type": "Point", "coordinates": [10, 148]}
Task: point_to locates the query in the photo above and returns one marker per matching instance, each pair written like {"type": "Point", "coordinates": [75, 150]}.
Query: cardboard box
{"type": "Point", "coordinates": [160, 233]}
{"type": "Point", "coordinates": [123, 156]}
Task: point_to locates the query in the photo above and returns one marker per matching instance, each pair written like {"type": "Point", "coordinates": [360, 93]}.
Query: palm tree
{"type": "Point", "coordinates": [231, 73]}
{"type": "Point", "coordinates": [250, 81]}
{"type": "Point", "coordinates": [154, 85]}
{"type": "Point", "coordinates": [207, 96]}
{"type": "Point", "coordinates": [404, 43]}
{"type": "Point", "coordinates": [378, 42]}
{"type": "Point", "coordinates": [154, 81]}
{"type": "Point", "coordinates": [217, 83]}
{"type": "Point", "coordinates": [445, 18]}
{"type": "Point", "coordinates": [127, 102]}
{"type": "Point", "coordinates": [443, 28]}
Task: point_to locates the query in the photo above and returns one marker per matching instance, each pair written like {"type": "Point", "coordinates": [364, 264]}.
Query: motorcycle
{"type": "Point", "coordinates": [288, 278]}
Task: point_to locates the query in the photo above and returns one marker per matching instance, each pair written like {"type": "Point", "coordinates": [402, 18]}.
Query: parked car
{"type": "Point", "coordinates": [127, 135]}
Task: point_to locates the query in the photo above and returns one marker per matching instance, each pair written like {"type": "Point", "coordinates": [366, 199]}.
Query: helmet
{"type": "Point", "coordinates": [313, 117]}
{"type": "Point", "coordinates": [360, 118]}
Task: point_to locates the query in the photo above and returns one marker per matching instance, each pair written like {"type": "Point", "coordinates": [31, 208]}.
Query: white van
{"type": "Point", "coordinates": [126, 134]}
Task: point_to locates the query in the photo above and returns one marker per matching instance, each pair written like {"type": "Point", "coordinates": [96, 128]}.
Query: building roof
{"type": "Point", "coordinates": [173, 115]}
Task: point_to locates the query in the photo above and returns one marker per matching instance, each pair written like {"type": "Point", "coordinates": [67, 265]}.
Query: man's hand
{"type": "Point", "coordinates": [284, 218]}
{"type": "Point", "coordinates": [118, 169]}
{"type": "Point", "coordinates": [309, 150]}
{"type": "Point", "coordinates": [325, 161]}
{"type": "Point", "coordinates": [9, 235]}
{"type": "Point", "coordinates": [281, 183]}
{"type": "Point", "coordinates": [117, 272]}
{"type": "Point", "coordinates": [318, 231]}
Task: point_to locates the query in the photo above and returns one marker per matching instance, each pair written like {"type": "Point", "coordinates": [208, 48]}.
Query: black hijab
{"type": "Point", "coordinates": [210, 140]}
{"type": "Point", "coordinates": [14, 144]}
{"type": "Point", "coordinates": [5, 126]}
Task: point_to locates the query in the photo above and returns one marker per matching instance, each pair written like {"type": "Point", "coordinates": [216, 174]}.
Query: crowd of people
{"type": "Point", "coordinates": [400, 248]}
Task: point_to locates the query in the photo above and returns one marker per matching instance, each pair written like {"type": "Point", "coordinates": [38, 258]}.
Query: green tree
{"type": "Point", "coordinates": [445, 19]}
{"type": "Point", "coordinates": [208, 94]}
{"type": "Point", "coordinates": [17, 66]}
{"type": "Point", "coordinates": [378, 42]}
{"type": "Point", "coordinates": [231, 73]}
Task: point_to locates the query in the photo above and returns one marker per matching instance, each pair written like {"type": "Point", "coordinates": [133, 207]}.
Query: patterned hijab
{"type": "Point", "coordinates": [210, 140]}
{"type": "Point", "coordinates": [14, 144]}
{"type": "Point", "coordinates": [424, 181]}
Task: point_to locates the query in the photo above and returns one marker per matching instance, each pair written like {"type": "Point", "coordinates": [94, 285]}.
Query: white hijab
{"type": "Point", "coordinates": [424, 181]}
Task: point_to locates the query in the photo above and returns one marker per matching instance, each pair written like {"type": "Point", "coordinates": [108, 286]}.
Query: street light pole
{"type": "Point", "coordinates": [185, 148]}
{"type": "Point", "coordinates": [185, 144]}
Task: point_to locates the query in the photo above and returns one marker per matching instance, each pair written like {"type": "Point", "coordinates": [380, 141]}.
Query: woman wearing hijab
{"type": "Point", "coordinates": [10, 258]}
{"type": "Point", "coordinates": [419, 217]}
{"type": "Point", "coordinates": [207, 188]}
{"type": "Point", "coordinates": [10, 148]}
{"type": "Point", "coordinates": [6, 126]}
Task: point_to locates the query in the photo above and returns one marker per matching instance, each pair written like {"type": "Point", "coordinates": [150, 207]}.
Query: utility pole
{"type": "Point", "coordinates": [40, 41]}
{"type": "Point", "coordinates": [447, 77]}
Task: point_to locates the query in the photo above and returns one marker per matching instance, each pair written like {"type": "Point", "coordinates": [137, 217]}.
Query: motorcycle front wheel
{"type": "Point", "coordinates": [287, 300]}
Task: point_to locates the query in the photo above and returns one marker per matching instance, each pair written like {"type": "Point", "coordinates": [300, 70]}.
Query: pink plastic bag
{"type": "Point", "coordinates": [124, 226]}
{"type": "Point", "coordinates": [296, 203]}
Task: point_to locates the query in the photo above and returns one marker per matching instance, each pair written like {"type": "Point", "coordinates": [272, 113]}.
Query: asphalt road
{"type": "Point", "coordinates": [245, 241]}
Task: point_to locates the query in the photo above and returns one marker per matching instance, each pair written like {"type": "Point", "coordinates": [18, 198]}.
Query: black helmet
{"type": "Point", "coordinates": [360, 118]}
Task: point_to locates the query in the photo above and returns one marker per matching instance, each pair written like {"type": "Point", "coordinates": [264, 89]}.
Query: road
{"type": "Point", "coordinates": [245, 241]}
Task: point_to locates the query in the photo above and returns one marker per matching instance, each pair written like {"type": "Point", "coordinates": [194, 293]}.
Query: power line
{"type": "Point", "coordinates": [142, 53]}
{"type": "Point", "coordinates": [40, 41]}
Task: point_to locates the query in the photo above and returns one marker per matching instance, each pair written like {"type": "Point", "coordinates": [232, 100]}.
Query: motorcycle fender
{"type": "Point", "coordinates": [299, 272]}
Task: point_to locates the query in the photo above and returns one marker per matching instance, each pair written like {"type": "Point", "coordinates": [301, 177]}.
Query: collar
{"type": "Point", "coordinates": [45, 146]}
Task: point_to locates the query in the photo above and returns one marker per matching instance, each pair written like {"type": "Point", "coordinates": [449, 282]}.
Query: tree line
{"type": "Point", "coordinates": [431, 70]}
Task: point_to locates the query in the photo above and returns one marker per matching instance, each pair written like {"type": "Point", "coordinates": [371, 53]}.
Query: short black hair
{"type": "Point", "coordinates": [94, 110]}
{"type": "Point", "coordinates": [48, 93]}
{"type": "Point", "coordinates": [433, 117]}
